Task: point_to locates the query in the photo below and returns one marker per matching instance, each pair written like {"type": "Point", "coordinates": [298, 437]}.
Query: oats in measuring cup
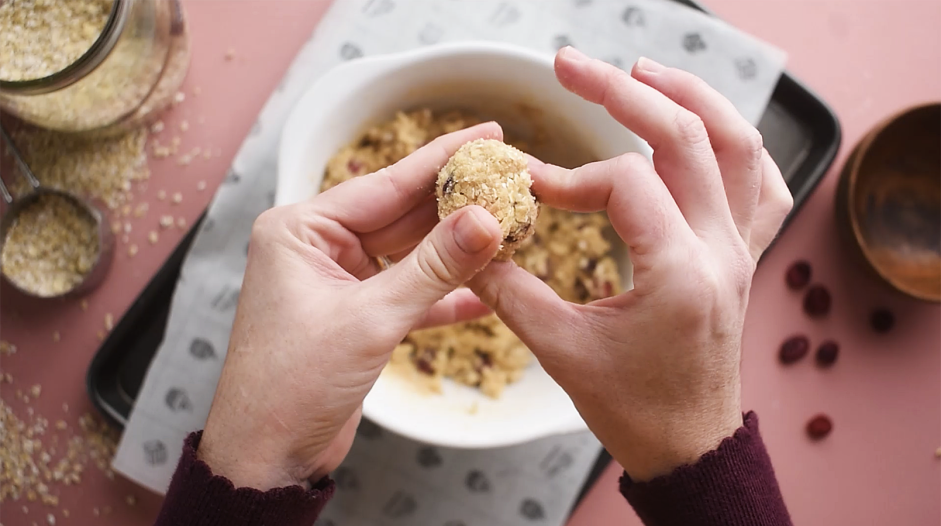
{"type": "Point", "coordinates": [50, 247]}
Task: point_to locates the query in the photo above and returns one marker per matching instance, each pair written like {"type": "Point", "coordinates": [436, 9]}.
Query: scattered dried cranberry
{"type": "Point", "coordinates": [827, 353]}
{"type": "Point", "coordinates": [793, 349]}
{"type": "Point", "coordinates": [882, 320]}
{"type": "Point", "coordinates": [798, 275]}
{"type": "Point", "coordinates": [819, 427]}
{"type": "Point", "coordinates": [354, 166]}
{"type": "Point", "coordinates": [817, 301]}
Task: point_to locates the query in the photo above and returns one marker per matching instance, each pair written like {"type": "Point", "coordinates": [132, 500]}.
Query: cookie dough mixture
{"type": "Point", "coordinates": [568, 251]}
{"type": "Point", "coordinates": [493, 175]}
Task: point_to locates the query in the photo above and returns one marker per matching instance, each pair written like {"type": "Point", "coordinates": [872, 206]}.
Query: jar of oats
{"type": "Point", "coordinates": [90, 65]}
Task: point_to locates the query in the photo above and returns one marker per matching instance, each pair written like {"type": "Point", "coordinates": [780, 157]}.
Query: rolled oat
{"type": "Point", "coordinates": [101, 169]}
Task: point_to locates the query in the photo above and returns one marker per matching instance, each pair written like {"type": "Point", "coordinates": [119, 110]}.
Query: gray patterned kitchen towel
{"type": "Point", "coordinates": [389, 480]}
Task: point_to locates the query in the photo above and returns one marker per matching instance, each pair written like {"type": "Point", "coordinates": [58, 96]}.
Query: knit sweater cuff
{"type": "Point", "coordinates": [196, 497]}
{"type": "Point", "coordinates": [730, 486]}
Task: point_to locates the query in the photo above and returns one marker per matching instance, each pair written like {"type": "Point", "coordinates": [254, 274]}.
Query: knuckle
{"type": "Point", "coordinates": [742, 269]}
{"type": "Point", "coordinates": [785, 203]}
{"type": "Point", "coordinates": [774, 180]}
{"type": "Point", "coordinates": [689, 87]}
{"type": "Point", "coordinates": [689, 127]}
{"type": "Point", "coordinates": [631, 162]}
{"type": "Point", "coordinates": [265, 223]}
{"type": "Point", "coordinates": [752, 146]}
{"type": "Point", "coordinates": [490, 295]}
{"type": "Point", "coordinates": [698, 293]}
{"type": "Point", "coordinates": [437, 266]}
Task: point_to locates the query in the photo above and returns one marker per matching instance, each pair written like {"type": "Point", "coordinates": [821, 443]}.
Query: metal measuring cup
{"type": "Point", "coordinates": [103, 257]}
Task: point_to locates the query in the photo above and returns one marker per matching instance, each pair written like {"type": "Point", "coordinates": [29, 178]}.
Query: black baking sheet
{"type": "Point", "coordinates": [800, 131]}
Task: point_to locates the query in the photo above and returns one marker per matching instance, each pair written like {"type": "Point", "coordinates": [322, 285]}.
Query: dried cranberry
{"type": "Point", "coordinates": [513, 236]}
{"type": "Point", "coordinates": [448, 185]}
{"type": "Point", "coordinates": [424, 359]}
{"type": "Point", "coordinates": [425, 367]}
{"type": "Point", "coordinates": [882, 320]}
{"type": "Point", "coordinates": [793, 349]}
{"type": "Point", "coordinates": [817, 301]}
{"type": "Point", "coordinates": [798, 275]}
{"type": "Point", "coordinates": [485, 359]}
{"type": "Point", "coordinates": [819, 427]}
{"type": "Point", "coordinates": [827, 353]}
{"type": "Point", "coordinates": [354, 166]}
{"type": "Point", "coordinates": [590, 265]}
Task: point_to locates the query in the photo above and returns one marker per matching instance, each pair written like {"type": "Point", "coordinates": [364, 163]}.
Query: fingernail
{"type": "Point", "coordinates": [470, 233]}
{"type": "Point", "coordinates": [570, 53]}
{"type": "Point", "coordinates": [650, 66]}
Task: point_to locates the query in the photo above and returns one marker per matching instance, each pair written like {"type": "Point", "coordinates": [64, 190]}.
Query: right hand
{"type": "Point", "coordinates": [654, 371]}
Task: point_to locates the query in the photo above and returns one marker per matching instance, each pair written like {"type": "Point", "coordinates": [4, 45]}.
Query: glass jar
{"type": "Point", "coordinates": [131, 72]}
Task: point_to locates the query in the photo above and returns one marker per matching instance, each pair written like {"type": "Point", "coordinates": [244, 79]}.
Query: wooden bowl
{"type": "Point", "coordinates": [888, 201]}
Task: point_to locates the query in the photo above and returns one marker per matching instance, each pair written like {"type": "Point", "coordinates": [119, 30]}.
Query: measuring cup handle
{"type": "Point", "coordinates": [6, 193]}
{"type": "Point", "coordinates": [33, 181]}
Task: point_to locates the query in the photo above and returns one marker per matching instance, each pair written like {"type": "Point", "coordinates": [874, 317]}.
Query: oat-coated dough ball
{"type": "Point", "coordinates": [495, 176]}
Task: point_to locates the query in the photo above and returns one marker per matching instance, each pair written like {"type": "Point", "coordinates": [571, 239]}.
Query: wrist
{"type": "Point", "coordinates": [257, 465]}
{"type": "Point", "coordinates": [666, 446]}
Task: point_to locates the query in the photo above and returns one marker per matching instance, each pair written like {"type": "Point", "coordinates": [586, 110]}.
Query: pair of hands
{"type": "Point", "coordinates": [653, 371]}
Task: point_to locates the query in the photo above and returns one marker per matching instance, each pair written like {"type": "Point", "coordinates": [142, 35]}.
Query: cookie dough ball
{"type": "Point", "coordinates": [495, 176]}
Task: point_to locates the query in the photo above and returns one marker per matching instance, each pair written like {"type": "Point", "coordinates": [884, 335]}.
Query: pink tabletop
{"type": "Point", "coordinates": [867, 59]}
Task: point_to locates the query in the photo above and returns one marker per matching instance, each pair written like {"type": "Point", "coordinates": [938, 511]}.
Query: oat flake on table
{"type": "Point", "coordinates": [100, 168]}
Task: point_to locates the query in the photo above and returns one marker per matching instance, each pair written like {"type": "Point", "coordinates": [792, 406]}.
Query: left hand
{"type": "Point", "coordinates": [317, 321]}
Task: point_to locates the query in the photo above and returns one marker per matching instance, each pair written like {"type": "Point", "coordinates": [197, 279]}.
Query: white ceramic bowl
{"type": "Point", "coordinates": [518, 87]}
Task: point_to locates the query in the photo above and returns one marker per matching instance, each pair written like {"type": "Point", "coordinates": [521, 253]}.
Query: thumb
{"type": "Point", "coordinates": [458, 247]}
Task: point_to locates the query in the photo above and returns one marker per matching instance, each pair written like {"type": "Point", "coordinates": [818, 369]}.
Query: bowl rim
{"type": "Point", "coordinates": [857, 157]}
{"type": "Point", "coordinates": [291, 140]}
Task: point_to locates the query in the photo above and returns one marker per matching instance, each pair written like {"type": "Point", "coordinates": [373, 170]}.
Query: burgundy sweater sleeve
{"type": "Point", "coordinates": [731, 486]}
{"type": "Point", "coordinates": [196, 497]}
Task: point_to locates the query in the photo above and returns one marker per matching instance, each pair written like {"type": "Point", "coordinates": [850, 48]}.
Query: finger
{"type": "Point", "coordinates": [774, 203]}
{"type": "Point", "coordinates": [528, 306]}
{"type": "Point", "coordinates": [639, 206]}
{"type": "Point", "coordinates": [460, 305]}
{"type": "Point", "coordinates": [455, 250]}
{"type": "Point", "coordinates": [403, 233]}
{"type": "Point", "coordinates": [402, 254]}
{"type": "Point", "coordinates": [373, 201]}
{"type": "Point", "coordinates": [736, 143]}
{"type": "Point", "coordinates": [682, 152]}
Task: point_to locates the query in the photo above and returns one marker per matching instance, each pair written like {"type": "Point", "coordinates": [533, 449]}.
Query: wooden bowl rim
{"type": "Point", "coordinates": [857, 158]}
